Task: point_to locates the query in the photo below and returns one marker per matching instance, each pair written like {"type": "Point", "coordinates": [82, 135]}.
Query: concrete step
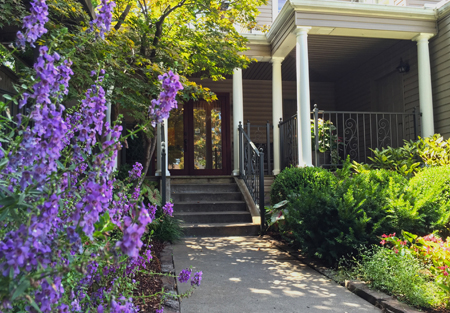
{"type": "Point", "coordinates": [211, 188]}
{"type": "Point", "coordinates": [177, 180]}
{"type": "Point", "coordinates": [214, 217]}
{"type": "Point", "coordinates": [206, 197]}
{"type": "Point", "coordinates": [220, 229]}
{"type": "Point", "coordinates": [197, 206]}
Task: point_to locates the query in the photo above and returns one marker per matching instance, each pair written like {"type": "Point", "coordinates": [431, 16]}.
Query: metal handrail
{"type": "Point", "coordinates": [163, 166]}
{"type": "Point", "coordinates": [251, 171]}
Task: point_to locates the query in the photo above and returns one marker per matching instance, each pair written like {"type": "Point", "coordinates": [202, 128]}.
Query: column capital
{"type": "Point", "coordinates": [423, 37]}
{"type": "Point", "coordinates": [302, 30]}
{"type": "Point", "coordinates": [276, 60]}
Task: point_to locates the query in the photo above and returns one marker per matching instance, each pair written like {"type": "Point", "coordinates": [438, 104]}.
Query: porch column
{"type": "Point", "coordinates": [158, 148]}
{"type": "Point", "coordinates": [425, 90]}
{"type": "Point", "coordinates": [303, 98]}
{"type": "Point", "coordinates": [238, 115]}
{"type": "Point", "coordinates": [277, 110]}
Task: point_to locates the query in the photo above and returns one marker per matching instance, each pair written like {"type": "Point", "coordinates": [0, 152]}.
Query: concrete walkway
{"type": "Point", "coordinates": [247, 274]}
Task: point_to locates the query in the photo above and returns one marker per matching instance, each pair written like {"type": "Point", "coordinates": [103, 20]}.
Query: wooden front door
{"type": "Point", "coordinates": [199, 138]}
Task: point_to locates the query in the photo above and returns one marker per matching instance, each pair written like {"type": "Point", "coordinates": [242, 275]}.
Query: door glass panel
{"type": "Point", "coordinates": [176, 138]}
{"type": "Point", "coordinates": [207, 135]}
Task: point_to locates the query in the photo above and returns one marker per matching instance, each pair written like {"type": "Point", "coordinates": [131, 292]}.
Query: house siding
{"type": "Point", "coordinates": [265, 14]}
{"type": "Point", "coordinates": [419, 3]}
{"type": "Point", "coordinates": [357, 89]}
{"type": "Point", "coordinates": [440, 73]}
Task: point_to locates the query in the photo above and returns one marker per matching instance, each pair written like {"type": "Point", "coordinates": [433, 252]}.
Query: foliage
{"type": "Point", "coordinates": [434, 150]}
{"type": "Point", "coordinates": [12, 12]}
{"type": "Point", "coordinates": [166, 228]}
{"type": "Point", "coordinates": [411, 157]}
{"type": "Point", "coordinates": [431, 250]}
{"type": "Point", "coordinates": [327, 138]}
{"type": "Point", "coordinates": [293, 179]}
{"type": "Point", "coordinates": [404, 160]}
{"type": "Point", "coordinates": [59, 203]}
{"type": "Point", "coordinates": [424, 205]}
{"type": "Point", "coordinates": [276, 213]}
{"type": "Point", "coordinates": [401, 275]}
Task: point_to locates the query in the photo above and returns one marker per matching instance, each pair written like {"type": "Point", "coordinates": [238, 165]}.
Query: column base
{"type": "Point", "coordinates": [276, 172]}
{"type": "Point", "coordinates": [235, 173]}
{"type": "Point", "coordinates": [158, 173]}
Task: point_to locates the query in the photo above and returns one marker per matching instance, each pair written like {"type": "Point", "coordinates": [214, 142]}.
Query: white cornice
{"type": "Point", "coordinates": [363, 9]}
{"type": "Point", "coordinates": [256, 39]}
{"type": "Point", "coordinates": [443, 8]}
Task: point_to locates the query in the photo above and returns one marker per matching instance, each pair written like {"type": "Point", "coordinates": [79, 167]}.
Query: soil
{"type": "Point", "coordinates": [148, 284]}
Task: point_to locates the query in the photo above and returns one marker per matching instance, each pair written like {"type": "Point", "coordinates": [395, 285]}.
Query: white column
{"type": "Point", "coordinates": [277, 110]}
{"type": "Point", "coordinates": [238, 115]}
{"type": "Point", "coordinates": [425, 90]}
{"type": "Point", "coordinates": [303, 98]}
{"type": "Point", "coordinates": [158, 148]}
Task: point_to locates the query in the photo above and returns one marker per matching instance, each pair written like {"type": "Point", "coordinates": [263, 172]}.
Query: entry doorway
{"type": "Point", "coordinates": [199, 138]}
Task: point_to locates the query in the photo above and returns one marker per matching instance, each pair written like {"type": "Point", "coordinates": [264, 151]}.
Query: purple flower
{"type": "Point", "coordinates": [160, 108]}
{"type": "Point", "coordinates": [33, 24]}
{"type": "Point", "coordinates": [104, 17]}
{"type": "Point", "coordinates": [184, 275]}
{"type": "Point", "coordinates": [136, 172]}
{"type": "Point", "coordinates": [197, 279]}
{"type": "Point", "coordinates": [168, 208]}
{"type": "Point", "coordinates": [161, 310]}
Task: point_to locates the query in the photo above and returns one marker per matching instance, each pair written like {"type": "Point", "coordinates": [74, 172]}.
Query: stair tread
{"type": "Point", "coordinates": [188, 225]}
{"type": "Point", "coordinates": [212, 213]}
{"type": "Point", "coordinates": [206, 193]}
{"type": "Point", "coordinates": [209, 202]}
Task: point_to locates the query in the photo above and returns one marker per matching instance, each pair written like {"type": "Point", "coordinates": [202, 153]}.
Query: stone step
{"type": "Point", "coordinates": [220, 229]}
{"type": "Point", "coordinates": [177, 180]}
{"type": "Point", "coordinates": [211, 188]}
{"type": "Point", "coordinates": [214, 217]}
{"type": "Point", "coordinates": [206, 197]}
{"type": "Point", "coordinates": [198, 206]}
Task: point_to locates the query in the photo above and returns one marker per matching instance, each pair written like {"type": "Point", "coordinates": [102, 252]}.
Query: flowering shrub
{"type": "Point", "coordinates": [59, 202]}
{"type": "Point", "coordinates": [430, 249]}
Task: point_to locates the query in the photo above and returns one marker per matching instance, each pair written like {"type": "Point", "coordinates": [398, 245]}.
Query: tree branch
{"type": "Point", "coordinates": [159, 26]}
{"type": "Point", "coordinates": [122, 17]}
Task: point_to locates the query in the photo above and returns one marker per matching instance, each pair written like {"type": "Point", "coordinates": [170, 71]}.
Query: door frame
{"type": "Point", "coordinates": [188, 131]}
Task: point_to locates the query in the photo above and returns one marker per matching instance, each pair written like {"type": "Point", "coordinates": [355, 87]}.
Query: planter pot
{"type": "Point", "coordinates": [323, 158]}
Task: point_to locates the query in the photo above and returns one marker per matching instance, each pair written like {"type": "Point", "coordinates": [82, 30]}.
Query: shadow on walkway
{"type": "Point", "coordinates": [247, 274]}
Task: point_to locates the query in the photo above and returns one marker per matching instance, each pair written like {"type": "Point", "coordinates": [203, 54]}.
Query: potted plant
{"type": "Point", "coordinates": [327, 144]}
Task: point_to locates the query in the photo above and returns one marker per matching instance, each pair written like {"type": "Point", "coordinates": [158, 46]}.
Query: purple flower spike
{"type": "Point", "coordinates": [184, 275]}
{"type": "Point", "coordinates": [161, 310]}
{"type": "Point", "coordinates": [197, 279]}
{"type": "Point", "coordinates": [136, 172]}
{"type": "Point", "coordinates": [104, 17]}
{"type": "Point", "coordinates": [168, 208]}
{"type": "Point", "coordinates": [34, 24]}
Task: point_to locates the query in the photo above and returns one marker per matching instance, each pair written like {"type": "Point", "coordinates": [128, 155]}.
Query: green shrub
{"type": "Point", "coordinates": [166, 228]}
{"type": "Point", "coordinates": [331, 222]}
{"type": "Point", "coordinates": [434, 150]}
{"type": "Point", "coordinates": [371, 192]}
{"type": "Point", "coordinates": [400, 275]}
{"type": "Point", "coordinates": [425, 205]}
{"type": "Point", "coordinates": [293, 179]}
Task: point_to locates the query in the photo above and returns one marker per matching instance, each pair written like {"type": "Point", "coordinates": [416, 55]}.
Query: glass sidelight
{"type": "Point", "coordinates": [207, 135]}
{"type": "Point", "coordinates": [199, 138]}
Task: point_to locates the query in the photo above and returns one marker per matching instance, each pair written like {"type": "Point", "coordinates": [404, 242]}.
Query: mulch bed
{"type": "Point", "coordinates": [148, 284]}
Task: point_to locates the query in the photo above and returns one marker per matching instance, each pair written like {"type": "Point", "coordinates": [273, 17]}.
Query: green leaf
{"type": "Point", "coordinates": [6, 96]}
{"type": "Point", "coordinates": [20, 289]}
{"type": "Point", "coordinates": [34, 305]}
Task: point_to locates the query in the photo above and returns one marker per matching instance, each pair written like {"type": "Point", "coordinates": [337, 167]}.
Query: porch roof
{"type": "Point", "coordinates": [338, 18]}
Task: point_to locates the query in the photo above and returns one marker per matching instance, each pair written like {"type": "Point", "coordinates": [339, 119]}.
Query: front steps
{"type": "Point", "coordinates": [211, 206]}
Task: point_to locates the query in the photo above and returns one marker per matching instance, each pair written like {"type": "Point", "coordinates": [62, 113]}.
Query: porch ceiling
{"type": "Point", "coordinates": [330, 57]}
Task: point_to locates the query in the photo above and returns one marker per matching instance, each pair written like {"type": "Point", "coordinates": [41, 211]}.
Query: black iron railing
{"type": "Point", "coordinates": [288, 142]}
{"type": "Point", "coordinates": [260, 135]}
{"type": "Point", "coordinates": [337, 134]}
{"type": "Point", "coordinates": [163, 166]}
{"type": "Point", "coordinates": [251, 170]}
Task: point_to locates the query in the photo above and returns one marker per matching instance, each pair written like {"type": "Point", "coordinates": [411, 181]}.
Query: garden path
{"type": "Point", "coordinates": [247, 274]}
